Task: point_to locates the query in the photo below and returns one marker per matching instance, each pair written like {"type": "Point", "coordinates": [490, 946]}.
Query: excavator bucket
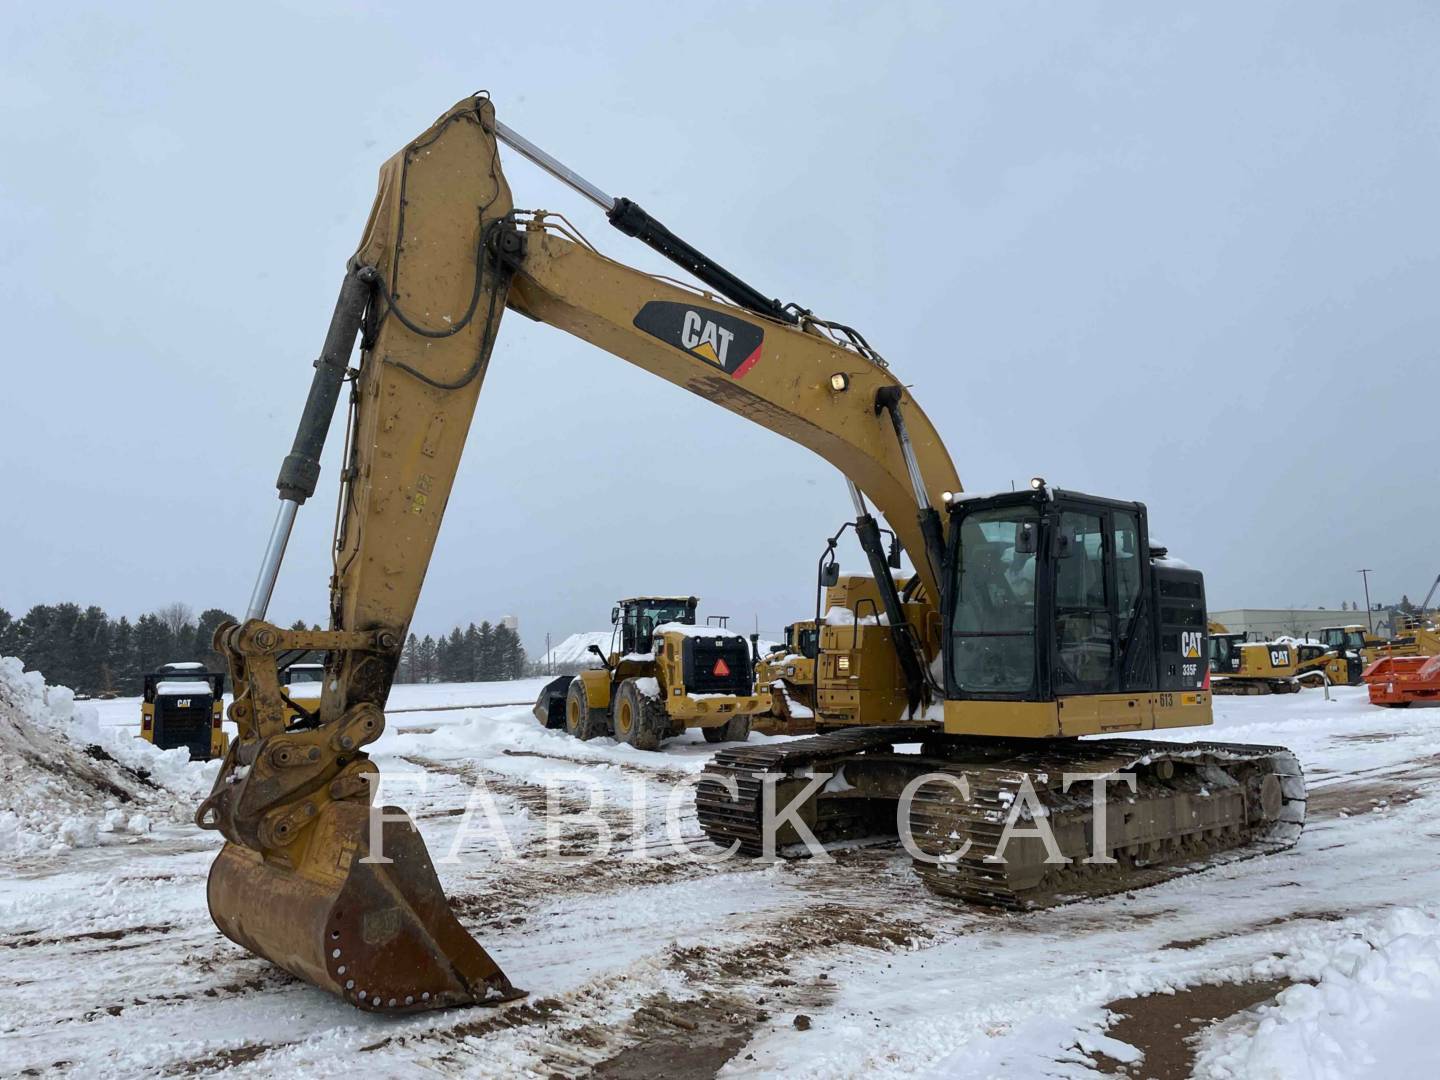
{"type": "Point", "coordinates": [377, 932]}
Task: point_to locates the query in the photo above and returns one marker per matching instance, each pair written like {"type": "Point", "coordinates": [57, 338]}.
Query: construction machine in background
{"type": "Point", "coordinates": [861, 677]}
{"type": "Point", "coordinates": [662, 675]}
{"type": "Point", "coordinates": [1223, 649]}
{"type": "Point", "coordinates": [787, 674]}
{"type": "Point", "coordinates": [1416, 635]}
{"type": "Point", "coordinates": [1286, 666]}
{"type": "Point", "coordinates": [1038, 616]}
{"type": "Point", "coordinates": [845, 663]}
{"type": "Point", "coordinates": [301, 684]}
{"type": "Point", "coordinates": [182, 704]}
{"type": "Point", "coordinates": [1350, 638]}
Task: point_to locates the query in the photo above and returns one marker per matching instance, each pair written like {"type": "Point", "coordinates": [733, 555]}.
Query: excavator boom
{"type": "Point", "coordinates": [443, 254]}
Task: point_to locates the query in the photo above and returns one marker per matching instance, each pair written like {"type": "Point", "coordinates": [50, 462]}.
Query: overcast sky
{"type": "Point", "coordinates": [1186, 254]}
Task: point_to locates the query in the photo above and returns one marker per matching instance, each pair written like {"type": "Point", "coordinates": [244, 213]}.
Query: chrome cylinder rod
{"type": "Point", "coordinates": [857, 499]}
{"type": "Point", "coordinates": [562, 172]}
{"type": "Point", "coordinates": [274, 553]}
{"type": "Point", "coordinates": [887, 399]}
{"type": "Point", "coordinates": [917, 482]}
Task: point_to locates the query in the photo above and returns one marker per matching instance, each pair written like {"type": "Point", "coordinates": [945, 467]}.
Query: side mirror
{"type": "Point", "coordinates": [894, 553]}
{"type": "Point", "coordinates": [1027, 540]}
{"type": "Point", "coordinates": [614, 617]}
{"type": "Point", "coordinates": [596, 650]}
{"type": "Point", "coordinates": [830, 575]}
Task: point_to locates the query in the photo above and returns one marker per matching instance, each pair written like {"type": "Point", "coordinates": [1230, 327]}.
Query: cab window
{"type": "Point", "coordinates": [992, 626]}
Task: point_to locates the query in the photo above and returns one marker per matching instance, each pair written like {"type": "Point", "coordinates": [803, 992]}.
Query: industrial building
{"type": "Point", "coordinates": [1268, 623]}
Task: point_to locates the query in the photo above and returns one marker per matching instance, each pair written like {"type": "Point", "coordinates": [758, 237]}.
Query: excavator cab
{"type": "Point", "coordinates": [1225, 652]}
{"type": "Point", "coordinates": [1055, 594]}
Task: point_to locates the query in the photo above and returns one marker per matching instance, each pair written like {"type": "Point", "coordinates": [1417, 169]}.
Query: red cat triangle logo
{"type": "Point", "coordinates": [721, 668]}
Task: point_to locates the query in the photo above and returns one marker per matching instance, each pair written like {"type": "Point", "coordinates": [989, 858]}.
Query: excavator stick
{"type": "Point", "coordinates": [301, 880]}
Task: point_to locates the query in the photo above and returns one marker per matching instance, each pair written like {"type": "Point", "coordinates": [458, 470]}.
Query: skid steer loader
{"type": "Point", "coordinates": [181, 705]}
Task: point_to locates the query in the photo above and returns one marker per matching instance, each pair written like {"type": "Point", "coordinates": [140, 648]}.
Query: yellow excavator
{"type": "Point", "coordinates": [1037, 616]}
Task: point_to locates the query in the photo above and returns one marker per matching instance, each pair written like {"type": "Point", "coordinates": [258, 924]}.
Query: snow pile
{"type": "Point", "coordinates": [65, 781]}
{"type": "Point", "coordinates": [1371, 1013]}
{"type": "Point", "coordinates": [574, 651]}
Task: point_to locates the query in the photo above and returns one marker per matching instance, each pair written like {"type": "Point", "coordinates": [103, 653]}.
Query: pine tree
{"type": "Point", "coordinates": [50, 639]}
{"type": "Point", "coordinates": [452, 668]}
{"type": "Point", "coordinates": [203, 647]}
{"type": "Point", "coordinates": [9, 636]}
{"type": "Point", "coordinates": [405, 670]}
{"type": "Point", "coordinates": [474, 668]}
{"type": "Point", "coordinates": [510, 652]}
{"type": "Point", "coordinates": [90, 651]}
{"type": "Point", "coordinates": [124, 668]}
{"type": "Point", "coordinates": [153, 644]}
{"type": "Point", "coordinates": [486, 667]}
{"type": "Point", "coordinates": [425, 657]}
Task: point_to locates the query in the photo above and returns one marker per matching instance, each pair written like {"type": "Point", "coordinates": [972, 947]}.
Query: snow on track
{"type": "Point", "coordinates": [112, 966]}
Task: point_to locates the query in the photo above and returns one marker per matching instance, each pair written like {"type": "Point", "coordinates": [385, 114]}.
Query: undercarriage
{"type": "Point", "coordinates": [1006, 822]}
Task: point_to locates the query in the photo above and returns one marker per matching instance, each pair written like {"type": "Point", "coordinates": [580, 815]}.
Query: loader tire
{"type": "Point", "coordinates": [737, 729]}
{"type": "Point", "coordinates": [640, 720]}
{"type": "Point", "coordinates": [581, 720]}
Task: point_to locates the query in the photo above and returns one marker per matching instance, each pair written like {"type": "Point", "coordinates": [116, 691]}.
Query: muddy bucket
{"type": "Point", "coordinates": [379, 934]}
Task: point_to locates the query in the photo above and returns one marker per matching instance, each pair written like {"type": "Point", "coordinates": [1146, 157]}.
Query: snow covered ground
{"type": "Point", "coordinates": [644, 961]}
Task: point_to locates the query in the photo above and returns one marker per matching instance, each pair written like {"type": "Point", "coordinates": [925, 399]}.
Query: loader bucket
{"type": "Point", "coordinates": [379, 934]}
{"type": "Point", "coordinates": [549, 707]}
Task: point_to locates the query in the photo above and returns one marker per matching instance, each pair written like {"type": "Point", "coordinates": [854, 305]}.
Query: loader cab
{"type": "Point", "coordinates": [635, 619]}
{"type": "Point", "coordinates": [1053, 593]}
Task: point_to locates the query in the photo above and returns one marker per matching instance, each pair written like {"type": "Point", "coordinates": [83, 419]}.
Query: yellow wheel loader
{"type": "Point", "coordinates": [663, 674]}
{"type": "Point", "coordinates": [1040, 616]}
{"type": "Point", "coordinates": [182, 704]}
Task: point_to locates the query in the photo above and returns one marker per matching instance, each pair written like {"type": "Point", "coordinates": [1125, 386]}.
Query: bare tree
{"type": "Point", "coordinates": [177, 618]}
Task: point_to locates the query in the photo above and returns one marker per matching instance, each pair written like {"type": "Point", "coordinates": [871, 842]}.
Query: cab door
{"type": "Point", "coordinates": [1085, 625]}
{"type": "Point", "coordinates": [1103, 629]}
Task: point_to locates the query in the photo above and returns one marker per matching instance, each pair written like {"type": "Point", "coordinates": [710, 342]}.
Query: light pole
{"type": "Point", "coordinates": [1369, 615]}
